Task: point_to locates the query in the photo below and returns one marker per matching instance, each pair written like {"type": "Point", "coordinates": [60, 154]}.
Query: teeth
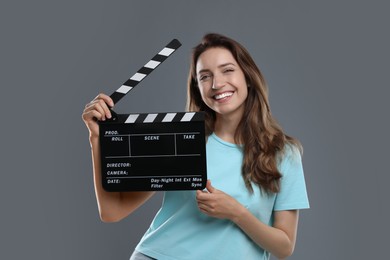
{"type": "Point", "coordinates": [223, 95]}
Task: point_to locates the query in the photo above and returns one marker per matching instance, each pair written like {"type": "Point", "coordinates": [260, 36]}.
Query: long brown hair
{"type": "Point", "coordinates": [262, 138]}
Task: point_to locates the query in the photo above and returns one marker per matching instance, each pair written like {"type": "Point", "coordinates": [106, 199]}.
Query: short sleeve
{"type": "Point", "coordinates": [292, 194]}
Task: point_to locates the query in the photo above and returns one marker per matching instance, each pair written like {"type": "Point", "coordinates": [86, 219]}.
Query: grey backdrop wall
{"type": "Point", "coordinates": [327, 65]}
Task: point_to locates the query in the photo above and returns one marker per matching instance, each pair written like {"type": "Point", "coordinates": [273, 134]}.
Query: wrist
{"type": "Point", "coordinates": [93, 139]}
{"type": "Point", "coordinates": [239, 215]}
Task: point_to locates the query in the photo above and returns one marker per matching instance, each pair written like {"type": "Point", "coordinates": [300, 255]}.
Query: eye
{"type": "Point", "coordinates": [204, 77]}
{"type": "Point", "coordinates": [228, 70]}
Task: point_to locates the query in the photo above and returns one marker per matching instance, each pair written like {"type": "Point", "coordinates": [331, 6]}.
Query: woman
{"type": "Point", "coordinates": [256, 186]}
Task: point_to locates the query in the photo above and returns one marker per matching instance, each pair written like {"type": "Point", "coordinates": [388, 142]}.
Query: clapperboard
{"type": "Point", "coordinates": [152, 151]}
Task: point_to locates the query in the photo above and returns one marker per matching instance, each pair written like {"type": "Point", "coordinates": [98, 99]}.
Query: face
{"type": "Point", "coordinates": [221, 82]}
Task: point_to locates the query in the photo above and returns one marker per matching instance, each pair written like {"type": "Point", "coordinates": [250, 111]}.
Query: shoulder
{"type": "Point", "coordinates": [291, 154]}
{"type": "Point", "coordinates": [293, 194]}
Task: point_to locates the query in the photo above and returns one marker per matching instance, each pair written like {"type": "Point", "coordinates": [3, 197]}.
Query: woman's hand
{"type": "Point", "coordinates": [278, 239]}
{"type": "Point", "coordinates": [95, 110]}
{"type": "Point", "coordinates": [216, 203]}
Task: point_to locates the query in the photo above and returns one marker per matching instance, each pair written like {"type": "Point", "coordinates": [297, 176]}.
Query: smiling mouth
{"type": "Point", "coordinates": [223, 95]}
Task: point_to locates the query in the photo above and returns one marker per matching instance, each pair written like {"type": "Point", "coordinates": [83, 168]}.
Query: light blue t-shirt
{"type": "Point", "coordinates": [180, 231]}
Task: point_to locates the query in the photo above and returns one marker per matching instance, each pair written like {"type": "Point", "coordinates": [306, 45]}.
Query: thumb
{"type": "Point", "coordinates": [209, 187]}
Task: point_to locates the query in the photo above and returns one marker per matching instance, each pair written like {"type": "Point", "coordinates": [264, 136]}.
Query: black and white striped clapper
{"type": "Point", "coordinates": [152, 151]}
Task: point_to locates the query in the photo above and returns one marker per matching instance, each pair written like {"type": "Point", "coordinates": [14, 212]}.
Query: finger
{"type": "Point", "coordinates": [203, 207]}
{"type": "Point", "coordinates": [90, 115]}
{"type": "Point", "coordinates": [207, 209]}
{"type": "Point", "coordinates": [209, 187]}
{"type": "Point", "coordinates": [106, 111]}
{"type": "Point", "coordinates": [106, 99]}
{"type": "Point", "coordinates": [198, 195]}
{"type": "Point", "coordinates": [88, 104]}
{"type": "Point", "coordinates": [202, 195]}
{"type": "Point", "coordinates": [96, 100]}
{"type": "Point", "coordinates": [204, 211]}
{"type": "Point", "coordinates": [98, 107]}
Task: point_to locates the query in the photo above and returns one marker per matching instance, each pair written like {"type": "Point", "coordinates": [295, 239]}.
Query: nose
{"type": "Point", "coordinates": [218, 82]}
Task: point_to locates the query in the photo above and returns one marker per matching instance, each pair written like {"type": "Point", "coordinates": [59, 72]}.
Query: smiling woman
{"type": "Point", "coordinates": [256, 185]}
{"type": "Point", "coordinates": [222, 83]}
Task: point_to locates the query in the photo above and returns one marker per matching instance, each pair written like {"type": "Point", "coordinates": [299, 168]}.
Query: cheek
{"type": "Point", "coordinates": [202, 93]}
{"type": "Point", "coordinates": [242, 87]}
{"type": "Point", "coordinates": [246, 90]}
{"type": "Point", "coordinates": [239, 81]}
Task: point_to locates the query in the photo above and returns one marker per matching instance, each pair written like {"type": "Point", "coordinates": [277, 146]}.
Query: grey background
{"type": "Point", "coordinates": [327, 65]}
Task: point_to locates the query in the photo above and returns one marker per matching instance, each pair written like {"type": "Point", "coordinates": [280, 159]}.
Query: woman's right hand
{"type": "Point", "coordinates": [96, 110]}
{"type": "Point", "coordinates": [113, 206]}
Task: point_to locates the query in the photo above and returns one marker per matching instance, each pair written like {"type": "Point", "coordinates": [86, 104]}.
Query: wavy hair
{"type": "Point", "coordinates": [262, 137]}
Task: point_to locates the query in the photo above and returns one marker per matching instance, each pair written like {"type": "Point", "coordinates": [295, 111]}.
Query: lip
{"type": "Point", "coordinates": [225, 99]}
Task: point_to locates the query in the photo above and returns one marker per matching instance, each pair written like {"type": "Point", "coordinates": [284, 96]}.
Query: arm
{"type": "Point", "coordinates": [279, 239]}
{"type": "Point", "coordinates": [113, 206]}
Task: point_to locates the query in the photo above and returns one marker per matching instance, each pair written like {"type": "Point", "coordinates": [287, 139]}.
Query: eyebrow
{"type": "Point", "coordinates": [219, 66]}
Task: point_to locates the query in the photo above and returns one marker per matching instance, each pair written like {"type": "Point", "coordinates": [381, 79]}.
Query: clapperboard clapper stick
{"type": "Point", "coordinates": [152, 151]}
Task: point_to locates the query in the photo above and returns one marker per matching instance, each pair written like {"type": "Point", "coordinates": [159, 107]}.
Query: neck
{"type": "Point", "coordinates": [226, 126]}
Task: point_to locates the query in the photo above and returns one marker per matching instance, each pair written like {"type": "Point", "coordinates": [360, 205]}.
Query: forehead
{"type": "Point", "coordinates": [214, 57]}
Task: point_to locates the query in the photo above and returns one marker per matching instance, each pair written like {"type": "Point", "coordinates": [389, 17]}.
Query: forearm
{"type": "Point", "coordinates": [113, 206]}
{"type": "Point", "coordinates": [108, 202]}
{"type": "Point", "coordinates": [271, 239]}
